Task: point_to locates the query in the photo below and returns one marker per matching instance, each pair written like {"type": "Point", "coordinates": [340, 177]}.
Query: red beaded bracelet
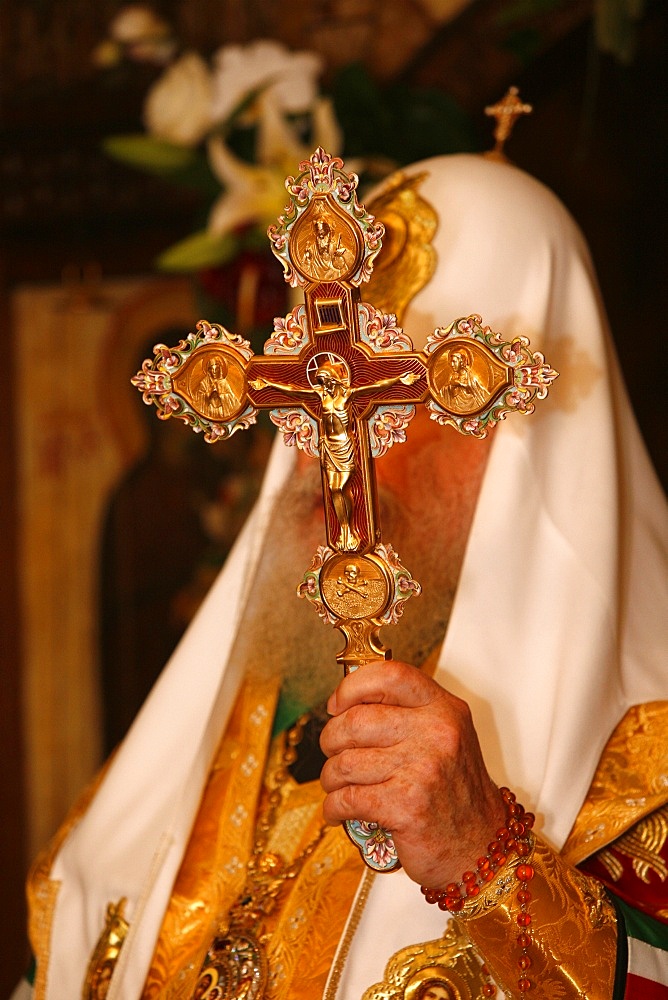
{"type": "Point", "coordinates": [513, 838]}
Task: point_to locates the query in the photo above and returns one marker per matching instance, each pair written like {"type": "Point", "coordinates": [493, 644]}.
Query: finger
{"type": "Point", "coordinates": [357, 767]}
{"type": "Point", "coordinates": [365, 725]}
{"type": "Point", "coordinates": [383, 681]}
{"type": "Point", "coordinates": [361, 802]}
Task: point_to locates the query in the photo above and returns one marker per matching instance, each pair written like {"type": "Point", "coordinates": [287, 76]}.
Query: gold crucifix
{"type": "Point", "coordinates": [342, 382]}
{"type": "Point", "coordinates": [505, 113]}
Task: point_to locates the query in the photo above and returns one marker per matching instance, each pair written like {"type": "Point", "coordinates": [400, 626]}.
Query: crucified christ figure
{"type": "Point", "coordinates": [331, 384]}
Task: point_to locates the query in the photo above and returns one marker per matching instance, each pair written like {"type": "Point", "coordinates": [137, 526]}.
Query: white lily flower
{"type": "Point", "coordinates": [252, 195]}
{"type": "Point", "coordinates": [178, 105]}
{"type": "Point", "coordinates": [327, 130]}
{"type": "Point", "coordinates": [289, 78]}
{"type": "Point", "coordinates": [255, 193]}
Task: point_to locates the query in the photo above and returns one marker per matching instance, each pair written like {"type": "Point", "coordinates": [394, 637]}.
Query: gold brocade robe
{"type": "Point", "coordinates": [622, 830]}
{"type": "Point", "coordinates": [304, 934]}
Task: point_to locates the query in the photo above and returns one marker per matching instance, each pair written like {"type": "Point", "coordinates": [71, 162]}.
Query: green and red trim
{"type": "Point", "coordinates": [647, 955]}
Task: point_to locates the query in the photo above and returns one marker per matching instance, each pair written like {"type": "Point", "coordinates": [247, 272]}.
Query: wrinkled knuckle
{"type": "Point", "coordinates": [392, 670]}
{"type": "Point", "coordinates": [432, 774]}
{"type": "Point", "coordinates": [402, 673]}
{"type": "Point", "coordinates": [462, 711]}
{"type": "Point", "coordinates": [356, 718]}
{"type": "Point", "coordinates": [456, 724]}
{"type": "Point", "coordinates": [347, 800]}
{"type": "Point", "coordinates": [347, 763]}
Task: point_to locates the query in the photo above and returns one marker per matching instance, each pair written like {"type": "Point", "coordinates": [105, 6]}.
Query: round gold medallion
{"type": "Point", "coordinates": [324, 243]}
{"type": "Point", "coordinates": [354, 586]}
{"type": "Point", "coordinates": [464, 376]}
{"type": "Point", "coordinates": [213, 383]}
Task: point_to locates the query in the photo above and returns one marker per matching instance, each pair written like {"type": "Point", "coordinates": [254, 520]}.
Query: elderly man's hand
{"type": "Point", "coordinates": [403, 752]}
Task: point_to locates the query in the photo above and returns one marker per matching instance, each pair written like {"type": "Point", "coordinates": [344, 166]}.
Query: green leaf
{"type": "Point", "coordinates": [365, 119]}
{"type": "Point", "coordinates": [199, 250]}
{"type": "Point", "coordinates": [148, 152]}
{"type": "Point", "coordinates": [396, 121]}
{"type": "Point", "coordinates": [180, 164]}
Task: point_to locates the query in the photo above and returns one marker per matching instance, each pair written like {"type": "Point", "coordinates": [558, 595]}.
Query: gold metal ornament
{"type": "Point", "coordinates": [104, 957]}
{"type": "Point", "coordinates": [505, 113]}
{"type": "Point", "coordinates": [342, 381]}
{"type": "Point", "coordinates": [445, 969]}
{"type": "Point", "coordinates": [408, 259]}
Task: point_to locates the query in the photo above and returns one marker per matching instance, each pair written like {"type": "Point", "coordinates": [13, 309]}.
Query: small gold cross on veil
{"type": "Point", "coordinates": [505, 112]}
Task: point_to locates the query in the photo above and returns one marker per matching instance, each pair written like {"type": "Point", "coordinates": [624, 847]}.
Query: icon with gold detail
{"type": "Point", "coordinates": [326, 245]}
{"type": "Point", "coordinates": [342, 382]}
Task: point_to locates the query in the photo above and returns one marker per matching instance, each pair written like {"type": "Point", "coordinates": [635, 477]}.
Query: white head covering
{"type": "Point", "coordinates": [556, 625]}
{"type": "Point", "coordinates": [559, 623]}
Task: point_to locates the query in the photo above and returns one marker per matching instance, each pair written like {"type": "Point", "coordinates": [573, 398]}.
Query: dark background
{"type": "Point", "coordinates": [597, 137]}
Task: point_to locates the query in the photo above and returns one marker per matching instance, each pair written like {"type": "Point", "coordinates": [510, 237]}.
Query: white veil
{"type": "Point", "coordinates": [557, 622]}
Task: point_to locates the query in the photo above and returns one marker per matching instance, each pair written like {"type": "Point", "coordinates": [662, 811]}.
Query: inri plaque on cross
{"type": "Point", "coordinates": [342, 382]}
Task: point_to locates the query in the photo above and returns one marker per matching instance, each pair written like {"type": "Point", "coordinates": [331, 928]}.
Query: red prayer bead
{"type": "Point", "coordinates": [509, 838]}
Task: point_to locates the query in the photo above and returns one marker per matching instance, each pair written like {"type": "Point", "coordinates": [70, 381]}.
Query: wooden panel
{"type": "Point", "coordinates": [13, 945]}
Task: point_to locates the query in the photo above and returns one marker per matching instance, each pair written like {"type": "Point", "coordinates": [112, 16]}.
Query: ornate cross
{"type": "Point", "coordinates": [505, 113]}
{"type": "Point", "coordinates": [342, 382]}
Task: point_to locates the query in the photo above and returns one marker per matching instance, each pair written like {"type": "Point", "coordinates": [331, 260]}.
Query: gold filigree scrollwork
{"type": "Point", "coordinates": [643, 845]}
{"type": "Point", "coordinates": [630, 784]}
